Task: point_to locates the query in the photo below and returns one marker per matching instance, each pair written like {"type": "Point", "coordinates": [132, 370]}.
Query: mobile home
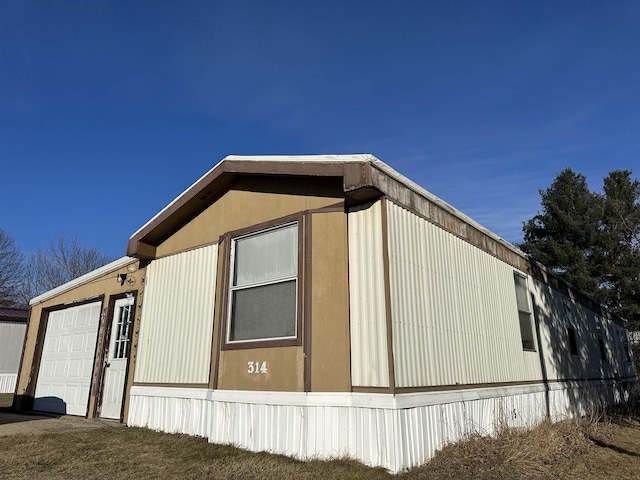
{"type": "Point", "coordinates": [322, 306]}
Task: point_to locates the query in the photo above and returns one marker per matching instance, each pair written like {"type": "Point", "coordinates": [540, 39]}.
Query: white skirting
{"type": "Point", "coordinates": [395, 432]}
{"type": "Point", "coordinates": [8, 382]}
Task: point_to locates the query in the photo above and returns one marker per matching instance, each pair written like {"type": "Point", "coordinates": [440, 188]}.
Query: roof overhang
{"type": "Point", "coordinates": [86, 278]}
{"type": "Point", "coordinates": [354, 170]}
{"type": "Point", "coordinates": [364, 178]}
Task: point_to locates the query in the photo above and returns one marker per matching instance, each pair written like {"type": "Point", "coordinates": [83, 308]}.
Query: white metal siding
{"type": "Point", "coordinates": [392, 431]}
{"type": "Point", "coordinates": [8, 382]}
{"type": "Point", "coordinates": [369, 362]}
{"type": "Point", "coordinates": [454, 313]}
{"type": "Point", "coordinates": [11, 342]}
{"type": "Point", "coordinates": [177, 318]}
{"type": "Point", "coordinates": [554, 324]}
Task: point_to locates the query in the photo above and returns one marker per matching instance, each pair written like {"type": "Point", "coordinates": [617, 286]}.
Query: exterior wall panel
{"type": "Point", "coordinates": [11, 341]}
{"type": "Point", "coordinates": [177, 318]}
{"type": "Point", "coordinates": [557, 313]}
{"type": "Point", "coordinates": [329, 303]}
{"type": "Point", "coordinates": [450, 300]}
{"type": "Point", "coordinates": [369, 359]}
{"type": "Point", "coordinates": [394, 432]}
{"type": "Point", "coordinates": [252, 201]}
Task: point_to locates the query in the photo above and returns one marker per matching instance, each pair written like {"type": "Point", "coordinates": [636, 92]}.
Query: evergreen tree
{"type": "Point", "coordinates": [563, 236]}
{"type": "Point", "coordinates": [620, 246]}
{"type": "Point", "coordinates": [592, 240]}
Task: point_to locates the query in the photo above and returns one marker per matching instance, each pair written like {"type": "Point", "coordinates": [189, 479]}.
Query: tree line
{"type": "Point", "coordinates": [592, 239]}
{"type": "Point", "coordinates": [23, 277]}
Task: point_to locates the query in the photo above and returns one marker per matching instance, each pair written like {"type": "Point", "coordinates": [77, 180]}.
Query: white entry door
{"type": "Point", "coordinates": [116, 366]}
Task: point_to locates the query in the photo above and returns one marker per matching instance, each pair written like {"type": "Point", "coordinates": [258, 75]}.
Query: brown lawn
{"type": "Point", "coordinates": [574, 449]}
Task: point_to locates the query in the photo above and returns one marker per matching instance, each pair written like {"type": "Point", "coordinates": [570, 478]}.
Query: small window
{"type": "Point", "coordinates": [603, 350]}
{"type": "Point", "coordinates": [568, 314]}
{"type": "Point", "coordinates": [573, 343]}
{"type": "Point", "coordinates": [524, 311]}
{"type": "Point", "coordinates": [264, 285]}
{"type": "Point", "coordinates": [625, 346]}
{"type": "Point", "coordinates": [121, 334]}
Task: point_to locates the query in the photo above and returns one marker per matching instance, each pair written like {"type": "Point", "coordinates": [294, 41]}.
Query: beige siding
{"type": "Point", "coordinates": [329, 303]}
{"type": "Point", "coordinates": [177, 318]}
{"type": "Point", "coordinates": [250, 202]}
{"type": "Point", "coordinates": [369, 362]}
{"type": "Point", "coordinates": [454, 313]}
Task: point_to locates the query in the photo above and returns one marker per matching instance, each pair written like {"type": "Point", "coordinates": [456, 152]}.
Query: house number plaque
{"type": "Point", "coordinates": [257, 367]}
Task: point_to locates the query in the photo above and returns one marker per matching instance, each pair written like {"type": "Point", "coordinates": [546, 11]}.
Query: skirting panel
{"type": "Point", "coordinates": [394, 432]}
{"type": "Point", "coordinates": [8, 382]}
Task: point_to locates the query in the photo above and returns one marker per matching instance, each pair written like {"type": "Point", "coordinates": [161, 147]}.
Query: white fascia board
{"type": "Point", "coordinates": [347, 158]}
{"type": "Point", "coordinates": [87, 277]}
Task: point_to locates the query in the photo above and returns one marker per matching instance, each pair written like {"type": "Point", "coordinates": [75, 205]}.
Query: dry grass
{"type": "Point", "coordinates": [144, 454]}
{"type": "Point", "coordinates": [547, 451]}
{"type": "Point", "coordinates": [573, 449]}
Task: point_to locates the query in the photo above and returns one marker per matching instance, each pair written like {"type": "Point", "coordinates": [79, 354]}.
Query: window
{"type": "Point", "coordinates": [524, 311]}
{"type": "Point", "coordinates": [568, 314]}
{"type": "Point", "coordinates": [625, 346]}
{"type": "Point", "coordinates": [603, 350]}
{"type": "Point", "coordinates": [121, 334]}
{"type": "Point", "coordinates": [264, 285]}
{"type": "Point", "coordinates": [573, 344]}
{"type": "Point", "coordinates": [601, 345]}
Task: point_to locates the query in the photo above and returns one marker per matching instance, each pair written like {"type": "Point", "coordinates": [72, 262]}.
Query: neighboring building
{"type": "Point", "coordinates": [13, 324]}
{"type": "Point", "coordinates": [321, 306]}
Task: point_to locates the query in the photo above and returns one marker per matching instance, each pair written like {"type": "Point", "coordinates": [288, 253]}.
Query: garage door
{"type": "Point", "coordinates": [67, 359]}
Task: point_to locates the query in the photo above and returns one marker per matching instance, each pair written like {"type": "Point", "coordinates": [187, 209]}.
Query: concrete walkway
{"type": "Point", "coordinates": [12, 423]}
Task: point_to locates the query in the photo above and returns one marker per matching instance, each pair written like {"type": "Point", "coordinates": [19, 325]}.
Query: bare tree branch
{"type": "Point", "coordinates": [59, 262]}
{"type": "Point", "coordinates": [11, 271]}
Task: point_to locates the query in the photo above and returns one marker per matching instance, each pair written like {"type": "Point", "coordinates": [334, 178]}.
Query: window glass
{"type": "Point", "coordinates": [521, 292]}
{"type": "Point", "coordinates": [568, 314]}
{"type": "Point", "coordinates": [263, 295]}
{"type": "Point", "coordinates": [573, 343]}
{"type": "Point", "coordinates": [603, 350]}
{"type": "Point", "coordinates": [524, 311]}
{"type": "Point", "coordinates": [266, 256]}
{"type": "Point", "coordinates": [267, 311]}
{"type": "Point", "coordinates": [121, 333]}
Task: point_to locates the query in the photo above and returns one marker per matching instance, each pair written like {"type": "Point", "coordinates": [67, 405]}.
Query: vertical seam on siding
{"type": "Point", "coordinates": [306, 297]}
{"type": "Point", "coordinates": [387, 295]}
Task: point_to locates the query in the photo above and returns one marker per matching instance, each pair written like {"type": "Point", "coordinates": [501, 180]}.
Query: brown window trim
{"type": "Point", "coordinates": [286, 342]}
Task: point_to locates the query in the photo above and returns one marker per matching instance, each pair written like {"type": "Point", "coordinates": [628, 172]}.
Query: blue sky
{"type": "Point", "coordinates": [110, 109]}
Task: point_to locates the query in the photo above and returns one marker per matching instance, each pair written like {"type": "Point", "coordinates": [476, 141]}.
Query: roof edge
{"type": "Point", "coordinates": [87, 277]}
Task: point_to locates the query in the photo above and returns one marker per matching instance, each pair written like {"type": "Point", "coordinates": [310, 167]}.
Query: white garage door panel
{"type": "Point", "coordinates": [64, 378]}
